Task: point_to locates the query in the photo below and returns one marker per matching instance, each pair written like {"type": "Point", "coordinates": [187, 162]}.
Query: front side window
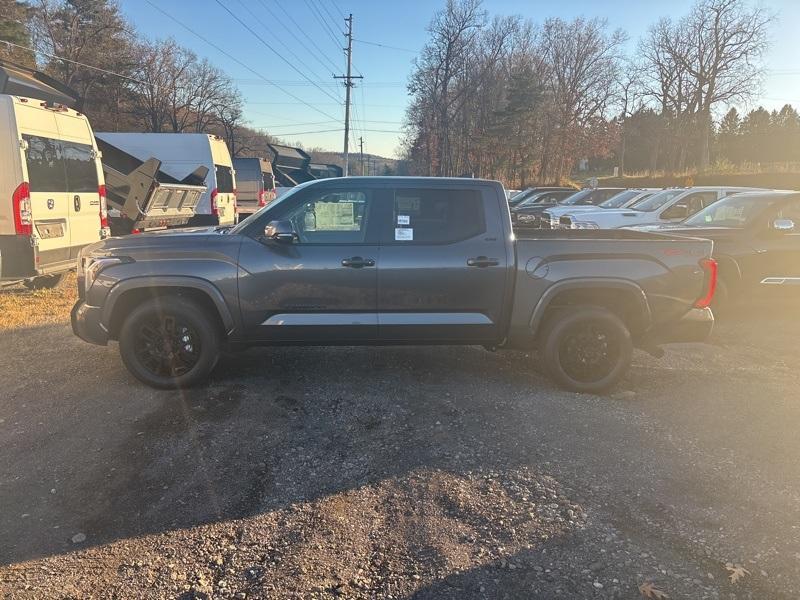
{"type": "Point", "coordinates": [735, 211]}
{"type": "Point", "coordinates": [655, 201]}
{"type": "Point", "coordinates": [224, 179]}
{"type": "Point", "coordinates": [436, 216]}
{"type": "Point", "coordinates": [331, 217]}
{"type": "Point", "coordinates": [689, 205]}
{"type": "Point", "coordinates": [81, 168]}
{"type": "Point", "coordinates": [45, 161]}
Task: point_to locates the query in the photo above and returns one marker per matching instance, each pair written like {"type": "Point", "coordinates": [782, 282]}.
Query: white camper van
{"type": "Point", "coordinates": [180, 155]}
{"type": "Point", "coordinates": [52, 194]}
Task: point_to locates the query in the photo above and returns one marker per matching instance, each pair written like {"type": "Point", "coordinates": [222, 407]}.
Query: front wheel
{"type": "Point", "coordinates": [586, 349]}
{"type": "Point", "coordinates": [169, 342]}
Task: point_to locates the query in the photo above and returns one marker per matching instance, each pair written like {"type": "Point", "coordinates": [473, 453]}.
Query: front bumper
{"type": "Point", "coordinates": [695, 326]}
{"type": "Point", "coordinates": [87, 323]}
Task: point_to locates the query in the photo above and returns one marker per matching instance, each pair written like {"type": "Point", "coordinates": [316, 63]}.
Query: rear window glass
{"type": "Point", "coordinates": [45, 164]}
{"type": "Point", "coordinates": [432, 216]}
{"type": "Point", "coordinates": [269, 181]}
{"type": "Point", "coordinates": [80, 166]}
{"type": "Point", "coordinates": [224, 179]}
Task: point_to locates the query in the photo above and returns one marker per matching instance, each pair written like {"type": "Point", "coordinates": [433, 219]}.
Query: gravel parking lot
{"type": "Point", "coordinates": [401, 473]}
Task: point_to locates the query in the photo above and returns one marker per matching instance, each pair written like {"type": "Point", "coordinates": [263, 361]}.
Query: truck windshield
{"type": "Point", "coordinates": [620, 199]}
{"type": "Point", "coordinates": [734, 211]}
{"type": "Point", "coordinates": [656, 201]}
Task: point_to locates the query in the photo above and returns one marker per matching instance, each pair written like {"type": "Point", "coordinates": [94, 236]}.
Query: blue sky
{"type": "Point", "coordinates": [311, 53]}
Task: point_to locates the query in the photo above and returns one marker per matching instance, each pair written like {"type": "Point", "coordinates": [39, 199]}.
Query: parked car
{"type": "Point", "coordinates": [530, 214]}
{"type": "Point", "coordinates": [756, 239]}
{"type": "Point", "coordinates": [668, 206]}
{"type": "Point", "coordinates": [51, 181]}
{"type": "Point", "coordinates": [379, 260]}
{"type": "Point", "coordinates": [255, 184]}
{"type": "Point", "coordinates": [527, 193]}
{"type": "Point", "coordinates": [180, 155]}
{"type": "Point", "coordinates": [551, 218]}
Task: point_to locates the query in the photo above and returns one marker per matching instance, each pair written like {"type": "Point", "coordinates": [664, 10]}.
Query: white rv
{"type": "Point", "coordinates": [180, 155]}
{"type": "Point", "coordinates": [52, 193]}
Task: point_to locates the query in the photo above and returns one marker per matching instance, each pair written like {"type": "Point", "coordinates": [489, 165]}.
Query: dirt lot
{"type": "Point", "coordinates": [400, 473]}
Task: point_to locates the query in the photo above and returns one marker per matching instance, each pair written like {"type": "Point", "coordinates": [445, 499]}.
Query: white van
{"type": "Point", "coordinates": [52, 193]}
{"type": "Point", "coordinates": [180, 155]}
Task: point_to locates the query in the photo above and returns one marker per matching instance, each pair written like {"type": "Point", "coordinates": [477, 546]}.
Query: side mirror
{"type": "Point", "coordinates": [783, 225]}
{"type": "Point", "coordinates": [280, 231]}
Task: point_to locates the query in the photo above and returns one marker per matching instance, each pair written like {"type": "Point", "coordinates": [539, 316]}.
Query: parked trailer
{"type": "Point", "coordinates": [141, 196]}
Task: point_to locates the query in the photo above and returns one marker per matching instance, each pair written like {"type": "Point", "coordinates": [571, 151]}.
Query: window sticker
{"type": "Point", "coordinates": [403, 234]}
{"type": "Point", "coordinates": [403, 220]}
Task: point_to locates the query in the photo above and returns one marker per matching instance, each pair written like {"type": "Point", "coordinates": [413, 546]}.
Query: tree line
{"type": "Point", "coordinates": [507, 98]}
{"type": "Point", "coordinates": [138, 84]}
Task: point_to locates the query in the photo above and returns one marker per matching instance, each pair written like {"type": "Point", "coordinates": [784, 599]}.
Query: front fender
{"type": "Point", "coordinates": [169, 281]}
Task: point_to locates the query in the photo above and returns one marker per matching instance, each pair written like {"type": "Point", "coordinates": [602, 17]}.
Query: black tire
{"type": "Point", "coordinates": [567, 352]}
{"type": "Point", "coordinates": [154, 346]}
{"type": "Point", "coordinates": [44, 282]}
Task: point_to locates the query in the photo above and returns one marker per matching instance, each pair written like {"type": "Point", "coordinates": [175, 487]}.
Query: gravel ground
{"type": "Point", "coordinates": [401, 473]}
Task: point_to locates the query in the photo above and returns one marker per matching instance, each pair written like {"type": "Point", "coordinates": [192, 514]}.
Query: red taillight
{"type": "Point", "coordinates": [262, 198]}
{"type": "Point", "coordinates": [23, 216]}
{"type": "Point", "coordinates": [710, 285]}
{"type": "Point", "coordinates": [101, 191]}
{"type": "Point", "coordinates": [214, 209]}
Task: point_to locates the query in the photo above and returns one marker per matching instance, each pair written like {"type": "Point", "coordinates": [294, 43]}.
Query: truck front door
{"type": "Point", "coordinates": [443, 265]}
{"type": "Point", "coordinates": [321, 287]}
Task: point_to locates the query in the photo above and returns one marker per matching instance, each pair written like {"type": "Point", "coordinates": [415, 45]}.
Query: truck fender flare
{"type": "Point", "coordinates": [589, 283]}
{"type": "Point", "coordinates": [169, 281]}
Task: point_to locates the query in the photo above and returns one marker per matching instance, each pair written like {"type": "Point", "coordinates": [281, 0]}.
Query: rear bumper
{"type": "Point", "coordinates": [695, 326]}
{"type": "Point", "coordinates": [87, 324]}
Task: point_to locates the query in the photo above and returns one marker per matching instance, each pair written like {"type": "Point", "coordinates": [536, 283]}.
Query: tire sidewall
{"type": "Point", "coordinates": [194, 315]}
{"type": "Point", "coordinates": [562, 322]}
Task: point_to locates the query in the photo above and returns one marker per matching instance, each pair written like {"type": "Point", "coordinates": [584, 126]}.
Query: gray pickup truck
{"type": "Point", "coordinates": [393, 260]}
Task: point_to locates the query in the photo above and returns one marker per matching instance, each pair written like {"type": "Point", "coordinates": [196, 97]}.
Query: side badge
{"type": "Point", "coordinates": [51, 203]}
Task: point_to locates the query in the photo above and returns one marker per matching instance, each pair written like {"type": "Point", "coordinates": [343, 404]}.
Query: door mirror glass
{"type": "Point", "coordinates": [280, 231]}
{"type": "Point", "coordinates": [783, 225]}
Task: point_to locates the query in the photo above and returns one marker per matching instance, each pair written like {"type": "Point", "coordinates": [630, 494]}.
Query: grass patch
{"type": "Point", "coordinates": [20, 307]}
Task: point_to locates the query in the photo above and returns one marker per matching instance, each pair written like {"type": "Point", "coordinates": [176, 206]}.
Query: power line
{"type": "Point", "coordinates": [387, 46]}
{"type": "Point", "coordinates": [329, 64]}
{"type": "Point", "coordinates": [237, 61]}
{"type": "Point", "coordinates": [74, 62]}
{"type": "Point", "coordinates": [321, 20]}
{"type": "Point", "coordinates": [278, 54]}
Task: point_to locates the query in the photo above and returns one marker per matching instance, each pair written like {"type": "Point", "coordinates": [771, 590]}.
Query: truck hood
{"type": "Point", "coordinates": [195, 239]}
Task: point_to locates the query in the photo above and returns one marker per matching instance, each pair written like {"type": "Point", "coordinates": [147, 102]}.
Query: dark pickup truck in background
{"type": "Point", "coordinates": [385, 260]}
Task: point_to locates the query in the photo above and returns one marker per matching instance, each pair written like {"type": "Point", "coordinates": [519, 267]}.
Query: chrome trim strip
{"type": "Point", "coordinates": [433, 319]}
{"type": "Point", "coordinates": [780, 281]}
{"type": "Point", "coordinates": [321, 319]}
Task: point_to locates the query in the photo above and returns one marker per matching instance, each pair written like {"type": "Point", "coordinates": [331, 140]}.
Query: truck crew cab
{"type": "Point", "coordinates": [393, 260]}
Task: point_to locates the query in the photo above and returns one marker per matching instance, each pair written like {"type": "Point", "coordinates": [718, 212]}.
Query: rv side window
{"type": "Point", "coordinates": [80, 167]}
{"type": "Point", "coordinates": [224, 179]}
{"type": "Point", "coordinates": [45, 164]}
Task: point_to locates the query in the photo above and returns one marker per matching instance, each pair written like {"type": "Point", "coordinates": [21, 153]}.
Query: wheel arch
{"type": "Point", "coordinates": [622, 297]}
{"type": "Point", "coordinates": [131, 292]}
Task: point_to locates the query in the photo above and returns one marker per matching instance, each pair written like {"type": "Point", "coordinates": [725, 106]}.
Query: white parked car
{"type": "Point", "coordinates": [667, 206]}
{"type": "Point", "coordinates": [551, 218]}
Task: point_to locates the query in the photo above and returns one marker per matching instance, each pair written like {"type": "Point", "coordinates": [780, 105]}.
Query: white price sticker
{"type": "Point", "coordinates": [403, 234]}
{"type": "Point", "coordinates": [403, 220]}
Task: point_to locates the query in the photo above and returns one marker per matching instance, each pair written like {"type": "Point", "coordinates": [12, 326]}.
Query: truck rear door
{"type": "Point", "coordinates": [443, 267]}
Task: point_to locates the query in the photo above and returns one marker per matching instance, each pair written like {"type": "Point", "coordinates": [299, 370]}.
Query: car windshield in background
{"type": "Point", "coordinates": [734, 211]}
{"type": "Point", "coordinates": [656, 201]}
{"type": "Point", "coordinates": [620, 199]}
{"type": "Point", "coordinates": [582, 197]}
{"type": "Point", "coordinates": [536, 198]}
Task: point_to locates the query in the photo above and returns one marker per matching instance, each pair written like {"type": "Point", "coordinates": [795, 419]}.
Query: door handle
{"type": "Point", "coordinates": [357, 262]}
{"type": "Point", "coordinates": [482, 261]}
{"type": "Point", "coordinates": [76, 202]}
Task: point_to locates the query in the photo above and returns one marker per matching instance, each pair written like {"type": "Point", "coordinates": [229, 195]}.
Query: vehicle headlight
{"type": "Point", "coordinates": [90, 267]}
{"type": "Point", "coordinates": [584, 225]}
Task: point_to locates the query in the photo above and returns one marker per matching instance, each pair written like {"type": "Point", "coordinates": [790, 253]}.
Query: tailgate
{"type": "Point", "coordinates": [169, 204]}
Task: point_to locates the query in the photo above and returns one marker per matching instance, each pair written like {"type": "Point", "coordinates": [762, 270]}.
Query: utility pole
{"type": "Point", "coordinates": [348, 84]}
{"type": "Point", "coordinates": [361, 144]}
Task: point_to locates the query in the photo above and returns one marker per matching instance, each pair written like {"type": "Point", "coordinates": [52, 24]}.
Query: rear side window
{"type": "Point", "coordinates": [224, 179]}
{"type": "Point", "coordinates": [44, 158]}
{"type": "Point", "coordinates": [436, 216]}
{"type": "Point", "coordinates": [269, 181]}
{"type": "Point", "coordinates": [80, 166]}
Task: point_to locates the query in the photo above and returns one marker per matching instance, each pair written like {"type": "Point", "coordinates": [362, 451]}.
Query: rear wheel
{"type": "Point", "coordinates": [586, 349]}
{"type": "Point", "coordinates": [44, 282]}
{"type": "Point", "coordinates": [170, 342]}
